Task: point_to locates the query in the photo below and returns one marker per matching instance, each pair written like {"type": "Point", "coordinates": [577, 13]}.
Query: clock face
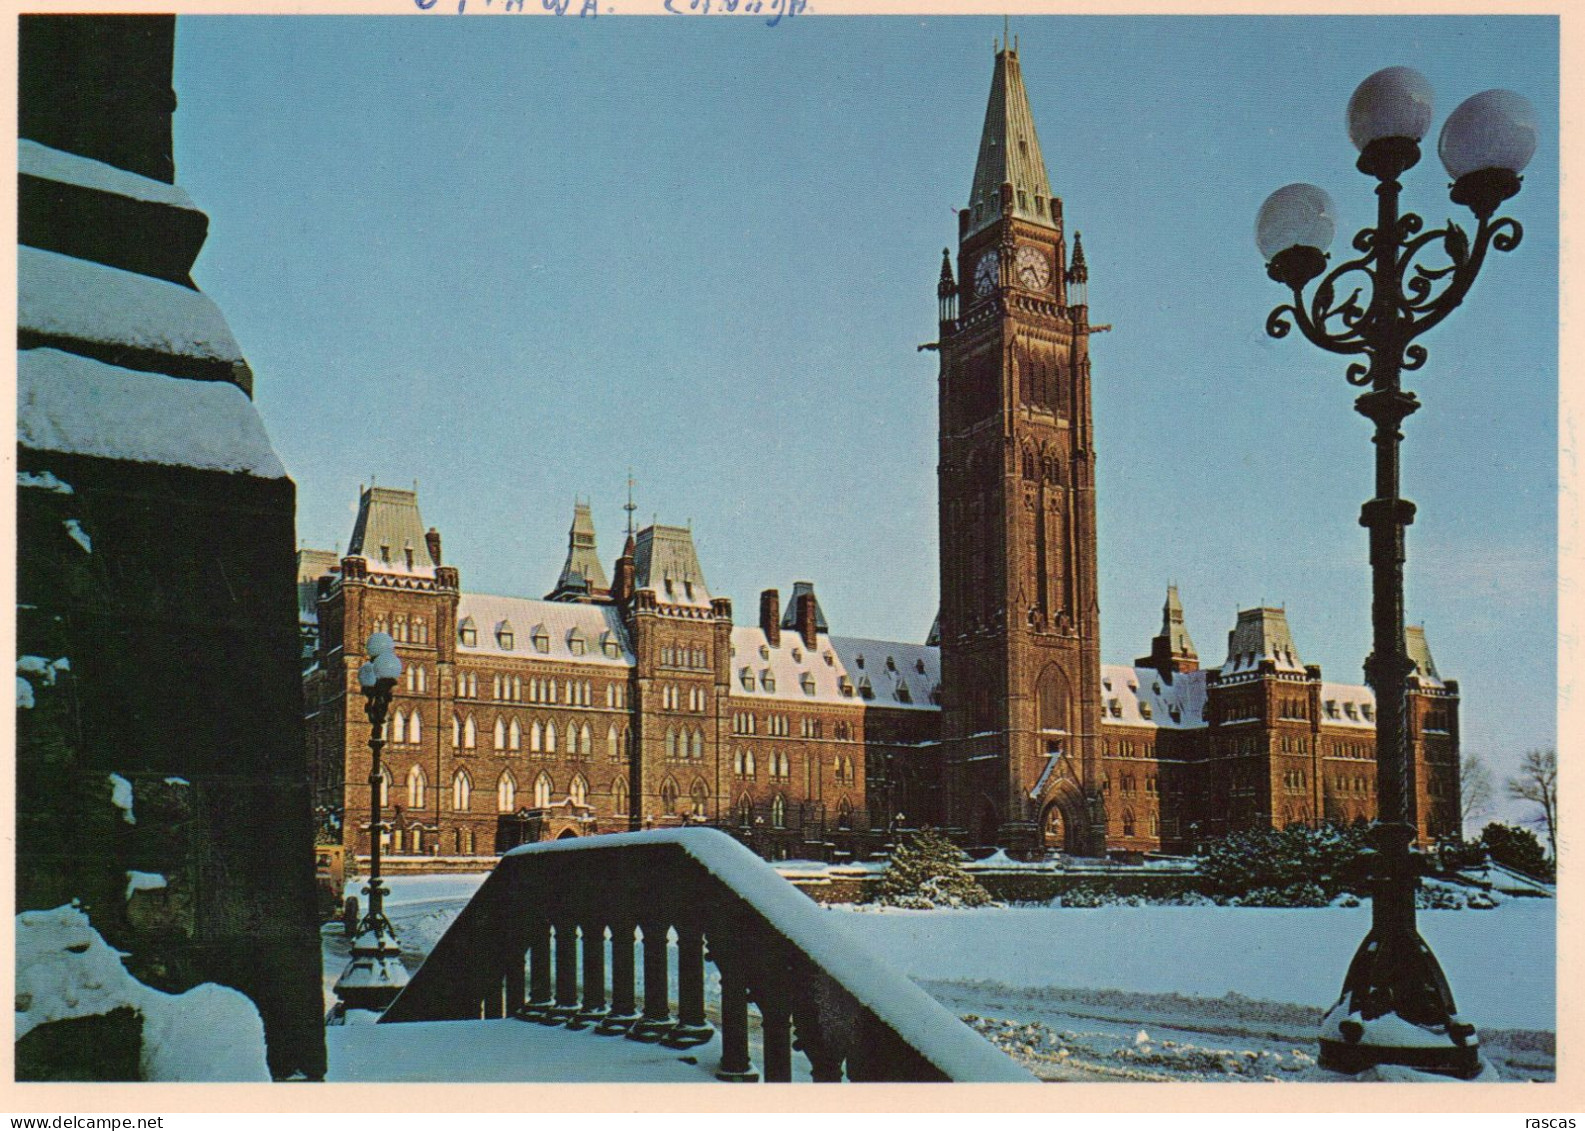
{"type": "Point", "coordinates": [985, 274]}
{"type": "Point", "coordinates": [1034, 269]}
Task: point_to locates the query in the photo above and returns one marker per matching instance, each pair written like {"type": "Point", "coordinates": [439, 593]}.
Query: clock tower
{"type": "Point", "coordinates": [1020, 625]}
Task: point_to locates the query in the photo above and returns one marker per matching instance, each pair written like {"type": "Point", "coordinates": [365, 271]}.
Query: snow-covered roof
{"type": "Point", "coordinates": [664, 560]}
{"type": "Point", "coordinates": [1348, 705]}
{"type": "Point", "coordinates": [899, 673]}
{"type": "Point", "coordinates": [1420, 655]}
{"type": "Point", "coordinates": [57, 165]}
{"type": "Point", "coordinates": [67, 403]}
{"type": "Point", "coordinates": [839, 669]}
{"type": "Point", "coordinates": [582, 571]}
{"type": "Point", "coordinates": [557, 625]}
{"type": "Point", "coordinates": [1142, 697]}
{"type": "Point", "coordinates": [1259, 635]}
{"type": "Point", "coordinates": [388, 530]}
{"type": "Point", "coordinates": [62, 297]}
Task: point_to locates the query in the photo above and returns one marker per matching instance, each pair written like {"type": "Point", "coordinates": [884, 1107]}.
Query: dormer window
{"type": "Point", "coordinates": [577, 643]}
{"type": "Point", "coordinates": [767, 680]}
{"type": "Point", "coordinates": [687, 590]}
{"type": "Point", "coordinates": [858, 661]}
{"type": "Point", "coordinates": [608, 644]}
{"type": "Point", "coordinates": [1331, 708]}
{"type": "Point", "coordinates": [764, 651]}
{"type": "Point", "coordinates": [541, 639]}
{"type": "Point", "coordinates": [865, 690]}
{"type": "Point", "coordinates": [669, 591]}
{"type": "Point", "coordinates": [1115, 707]}
{"type": "Point", "coordinates": [1107, 683]}
{"type": "Point", "coordinates": [1156, 687]}
{"type": "Point", "coordinates": [798, 655]}
{"type": "Point", "coordinates": [845, 686]}
{"type": "Point", "coordinates": [747, 676]}
{"type": "Point", "coordinates": [919, 665]}
{"type": "Point", "coordinates": [902, 694]}
{"type": "Point", "coordinates": [504, 636]}
{"type": "Point", "coordinates": [385, 554]}
{"type": "Point", "coordinates": [828, 658]}
{"type": "Point", "coordinates": [1367, 710]}
{"type": "Point", "coordinates": [1145, 709]}
{"type": "Point", "coordinates": [1176, 714]}
{"type": "Point", "coordinates": [935, 694]}
{"type": "Point", "coordinates": [891, 664]}
{"type": "Point", "coordinates": [1350, 710]}
{"type": "Point", "coordinates": [468, 633]}
{"type": "Point", "coordinates": [807, 682]}
{"type": "Point", "coordinates": [408, 550]}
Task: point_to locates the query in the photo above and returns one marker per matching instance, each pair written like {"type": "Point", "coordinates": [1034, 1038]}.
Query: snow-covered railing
{"type": "Point", "coordinates": [515, 951]}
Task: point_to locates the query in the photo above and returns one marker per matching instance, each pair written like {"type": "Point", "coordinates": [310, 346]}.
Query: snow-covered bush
{"type": "Point", "coordinates": [1300, 866]}
{"type": "Point", "coordinates": [926, 871]}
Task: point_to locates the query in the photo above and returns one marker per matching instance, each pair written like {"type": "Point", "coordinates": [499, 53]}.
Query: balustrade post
{"type": "Point", "coordinates": [624, 1008]}
{"type": "Point", "coordinates": [540, 1001]}
{"type": "Point", "coordinates": [776, 1031]}
{"type": "Point", "coordinates": [735, 1063]}
{"type": "Point", "coordinates": [566, 973]}
{"type": "Point", "coordinates": [825, 1061]}
{"type": "Point", "coordinates": [657, 1000]}
{"type": "Point", "coordinates": [516, 984]}
{"type": "Point", "coordinates": [691, 1028]}
{"type": "Point", "coordinates": [593, 977]}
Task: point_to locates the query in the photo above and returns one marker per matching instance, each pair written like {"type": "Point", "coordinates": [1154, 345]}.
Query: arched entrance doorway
{"type": "Point", "coordinates": [987, 823]}
{"type": "Point", "coordinates": [1062, 825]}
{"type": "Point", "coordinates": [568, 834]}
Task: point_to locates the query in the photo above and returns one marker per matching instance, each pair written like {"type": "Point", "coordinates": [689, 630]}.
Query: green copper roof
{"type": "Point", "coordinates": [1009, 152]}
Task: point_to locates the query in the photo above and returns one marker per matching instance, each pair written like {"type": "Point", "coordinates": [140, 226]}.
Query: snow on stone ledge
{"type": "Point", "coordinates": [65, 969]}
{"type": "Point", "coordinates": [61, 296]}
{"type": "Point", "coordinates": [57, 165]}
{"type": "Point", "coordinates": [67, 403]}
{"type": "Point", "coordinates": [924, 1023]}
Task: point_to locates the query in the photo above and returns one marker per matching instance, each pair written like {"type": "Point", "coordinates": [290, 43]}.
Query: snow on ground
{"type": "Point", "coordinates": [65, 969]}
{"type": "Point", "coordinates": [1501, 963]}
{"type": "Point", "coordinates": [1220, 993]}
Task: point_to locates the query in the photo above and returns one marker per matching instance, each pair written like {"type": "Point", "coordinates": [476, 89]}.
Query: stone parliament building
{"type": "Point", "coordinates": [634, 700]}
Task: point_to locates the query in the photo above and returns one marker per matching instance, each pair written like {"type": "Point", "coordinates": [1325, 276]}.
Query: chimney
{"type": "Point", "coordinates": [622, 584]}
{"type": "Point", "coordinates": [769, 609]}
{"type": "Point", "coordinates": [806, 619]}
{"type": "Point", "coordinates": [432, 540]}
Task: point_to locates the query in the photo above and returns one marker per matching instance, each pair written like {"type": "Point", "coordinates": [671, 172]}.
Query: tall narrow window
{"type": "Point", "coordinates": [415, 787]}
{"type": "Point", "coordinates": [461, 792]}
{"type": "Point", "coordinates": [536, 737]}
{"type": "Point", "coordinates": [578, 790]}
{"type": "Point", "coordinates": [414, 727]}
{"type": "Point", "coordinates": [542, 791]}
{"type": "Point", "coordinates": [506, 792]}
{"type": "Point", "coordinates": [514, 736]}
{"type": "Point", "coordinates": [619, 796]}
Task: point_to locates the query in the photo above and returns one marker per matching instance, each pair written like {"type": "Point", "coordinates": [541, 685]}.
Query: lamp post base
{"type": "Point", "coordinates": [1352, 1043]}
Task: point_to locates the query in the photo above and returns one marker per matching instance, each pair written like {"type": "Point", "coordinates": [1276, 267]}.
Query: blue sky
{"type": "Point", "coordinates": [511, 257]}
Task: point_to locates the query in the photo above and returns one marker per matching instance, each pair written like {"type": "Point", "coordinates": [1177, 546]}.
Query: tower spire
{"type": "Point", "coordinates": [1010, 154]}
{"type": "Point", "coordinates": [628, 506]}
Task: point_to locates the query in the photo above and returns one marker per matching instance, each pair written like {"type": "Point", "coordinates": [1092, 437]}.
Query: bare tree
{"type": "Point", "coordinates": [1474, 791]}
{"type": "Point", "coordinates": [1536, 782]}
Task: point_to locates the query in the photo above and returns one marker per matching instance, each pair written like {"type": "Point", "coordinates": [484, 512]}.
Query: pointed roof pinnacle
{"type": "Point", "coordinates": [1172, 626]}
{"type": "Point", "coordinates": [1009, 152]}
{"type": "Point", "coordinates": [946, 266]}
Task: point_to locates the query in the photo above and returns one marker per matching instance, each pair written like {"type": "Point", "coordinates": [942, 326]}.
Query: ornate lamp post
{"type": "Point", "coordinates": [1395, 1007]}
{"type": "Point", "coordinates": [375, 974]}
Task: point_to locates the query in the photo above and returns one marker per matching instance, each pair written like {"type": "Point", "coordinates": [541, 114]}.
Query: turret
{"type": "Point", "coordinates": [947, 295]}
